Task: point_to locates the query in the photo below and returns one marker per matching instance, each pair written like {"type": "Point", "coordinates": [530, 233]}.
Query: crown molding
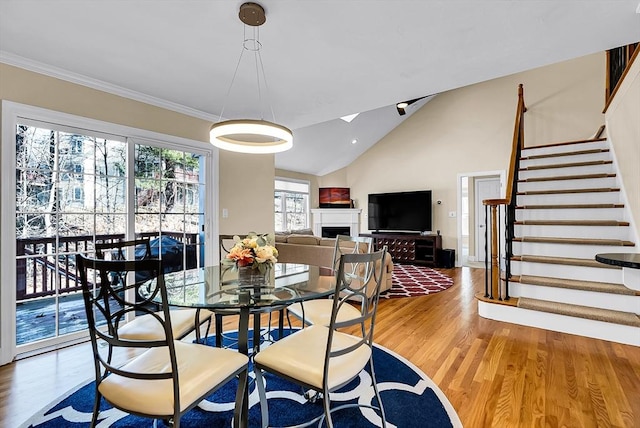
{"type": "Point", "coordinates": [62, 74]}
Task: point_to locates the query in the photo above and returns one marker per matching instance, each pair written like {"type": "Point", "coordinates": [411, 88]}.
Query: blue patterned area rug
{"type": "Point", "coordinates": [409, 397]}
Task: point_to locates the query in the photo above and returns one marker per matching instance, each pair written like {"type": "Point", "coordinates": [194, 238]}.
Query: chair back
{"type": "Point", "coordinates": [364, 291]}
{"type": "Point", "coordinates": [350, 245]}
{"type": "Point", "coordinates": [110, 293]}
{"type": "Point", "coordinates": [141, 248]}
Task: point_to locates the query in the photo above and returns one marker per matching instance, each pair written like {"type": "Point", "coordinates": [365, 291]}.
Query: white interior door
{"type": "Point", "coordinates": [485, 188]}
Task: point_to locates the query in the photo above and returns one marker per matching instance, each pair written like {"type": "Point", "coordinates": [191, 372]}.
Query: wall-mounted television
{"type": "Point", "coordinates": [400, 211]}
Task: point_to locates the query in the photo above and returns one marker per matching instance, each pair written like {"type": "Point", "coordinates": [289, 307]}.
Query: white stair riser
{"type": "Point", "coordinates": [580, 273]}
{"type": "Point", "coordinates": [566, 159]}
{"type": "Point", "coordinates": [571, 214]}
{"type": "Point", "coordinates": [570, 198]}
{"type": "Point", "coordinates": [601, 232]}
{"type": "Point", "coordinates": [572, 170]}
{"type": "Point", "coordinates": [614, 302]}
{"type": "Point", "coordinates": [575, 251]}
{"type": "Point", "coordinates": [582, 183]}
{"type": "Point", "coordinates": [565, 149]}
{"type": "Point", "coordinates": [583, 327]}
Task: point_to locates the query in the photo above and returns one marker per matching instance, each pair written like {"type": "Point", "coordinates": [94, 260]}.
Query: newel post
{"type": "Point", "coordinates": [492, 287]}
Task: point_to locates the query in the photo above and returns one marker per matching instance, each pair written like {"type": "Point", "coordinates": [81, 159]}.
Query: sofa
{"type": "Point", "coordinates": [313, 250]}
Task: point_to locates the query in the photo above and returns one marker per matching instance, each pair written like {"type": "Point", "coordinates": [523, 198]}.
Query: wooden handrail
{"type": "Point", "coordinates": [610, 94]}
{"type": "Point", "coordinates": [518, 138]}
{"type": "Point", "coordinates": [493, 208]}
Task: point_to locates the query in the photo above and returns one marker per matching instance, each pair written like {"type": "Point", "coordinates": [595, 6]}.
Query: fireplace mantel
{"type": "Point", "coordinates": [336, 217]}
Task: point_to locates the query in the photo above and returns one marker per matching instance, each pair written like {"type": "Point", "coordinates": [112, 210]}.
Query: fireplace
{"type": "Point", "coordinates": [333, 231]}
{"type": "Point", "coordinates": [345, 220]}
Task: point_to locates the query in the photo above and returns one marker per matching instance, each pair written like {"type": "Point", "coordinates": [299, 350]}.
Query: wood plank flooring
{"type": "Point", "coordinates": [495, 374]}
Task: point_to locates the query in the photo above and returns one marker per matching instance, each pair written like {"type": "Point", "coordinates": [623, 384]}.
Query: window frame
{"type": "Point", "coordinates": [284, 211]}
{"type": "Point", "coordinates": [14, 113]}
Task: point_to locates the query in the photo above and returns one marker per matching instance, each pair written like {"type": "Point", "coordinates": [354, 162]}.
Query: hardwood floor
{"type": "Point", "coordinates": [495, 374]}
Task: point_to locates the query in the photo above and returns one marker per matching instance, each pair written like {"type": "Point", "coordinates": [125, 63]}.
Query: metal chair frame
{"type": "Point", "coordinates": [357, 243]}
{"type": "Point", "coordinates": [118, 249]}
{"type": "Point", "coordinates": [100, 293]}
{"type": "Point", "coordinates": [356, 289]}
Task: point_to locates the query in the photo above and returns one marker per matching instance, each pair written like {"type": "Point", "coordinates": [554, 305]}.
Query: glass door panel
{"type": "Point", "coordinates": [70, 189]}
{"type": "Point", "coordinates": [169, 188]}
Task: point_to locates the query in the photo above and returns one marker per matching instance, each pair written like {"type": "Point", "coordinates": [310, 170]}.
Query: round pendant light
{"type": "Point", "coordinates": [251, 135]}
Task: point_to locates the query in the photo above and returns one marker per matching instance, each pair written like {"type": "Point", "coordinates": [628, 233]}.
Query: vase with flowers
{"type": "Point", "coordinates": [253, 256]}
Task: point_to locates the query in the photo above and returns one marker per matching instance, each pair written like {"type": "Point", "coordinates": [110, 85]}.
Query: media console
{"type": "Point", "coordinates": [409, 248]}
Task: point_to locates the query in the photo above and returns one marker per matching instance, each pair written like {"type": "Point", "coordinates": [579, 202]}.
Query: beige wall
{"type": "Point", "coordinates": [470, 130]}
{"type": "Point", "coordinates": [623, 130]}
{"type": "Point", "coordinates": [246, 181]}
{"type": "Point", "coordinates": [246, 191]}
{"type": "Point", "coordinates": [313, 185]}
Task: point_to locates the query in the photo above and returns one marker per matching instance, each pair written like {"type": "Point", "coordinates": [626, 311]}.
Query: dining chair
{"type": "Point", "coordinates": [324, 358]}
{"type": "Point", "coordinates": [183, 321]}
{"type": "Point", "coordinates": [319, 311]}
{"type": "Point", "coordinates": [167, 377]}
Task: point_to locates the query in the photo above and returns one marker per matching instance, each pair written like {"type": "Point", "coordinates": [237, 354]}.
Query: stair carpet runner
{"type": "Point", "coordinates": [568, 210]}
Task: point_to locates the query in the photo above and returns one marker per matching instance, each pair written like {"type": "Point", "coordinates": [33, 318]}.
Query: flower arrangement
{"type": "Point", "coordinates": [254, 250]}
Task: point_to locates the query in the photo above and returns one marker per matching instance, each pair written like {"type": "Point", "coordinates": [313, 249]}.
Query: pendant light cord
{"type": "Point", "coordinates": [259, 67]}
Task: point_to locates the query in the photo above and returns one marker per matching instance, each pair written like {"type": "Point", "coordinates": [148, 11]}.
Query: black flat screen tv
{"type": "Point", "coordinates": [400, 211]}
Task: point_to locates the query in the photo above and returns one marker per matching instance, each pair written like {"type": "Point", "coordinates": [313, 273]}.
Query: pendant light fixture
{"type": "Point", "coordinates": [251, 135]}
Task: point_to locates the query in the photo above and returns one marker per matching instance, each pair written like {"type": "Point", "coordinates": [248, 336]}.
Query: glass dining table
{"type": "Point", "coordinates": [218, 289]}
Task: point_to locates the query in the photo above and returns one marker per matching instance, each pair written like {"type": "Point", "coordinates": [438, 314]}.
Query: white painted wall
{"type": "Point", "coordinates": [623, 128]}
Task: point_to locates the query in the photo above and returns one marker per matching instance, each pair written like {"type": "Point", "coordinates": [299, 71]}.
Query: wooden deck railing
{"type": "Point", "coordinates": [39, 272]}
{"type": "Point", "coordinates": [495, 209]}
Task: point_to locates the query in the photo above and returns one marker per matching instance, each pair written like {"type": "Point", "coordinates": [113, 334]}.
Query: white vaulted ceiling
{"type": "Point", "coordinates": [323, 59]}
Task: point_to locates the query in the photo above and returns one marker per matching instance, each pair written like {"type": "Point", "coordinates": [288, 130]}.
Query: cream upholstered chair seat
{"type": "Point", "coordinates": [302, 356]}
{"type": "Point", "coordinates": [319, 311]}
{"type": "Point", "coordinates": [201, 368]}
{"type": "Point", "coordinates": [146, 327]}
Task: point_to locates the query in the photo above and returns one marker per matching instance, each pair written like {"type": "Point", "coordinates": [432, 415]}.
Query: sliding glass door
{"type": "Point", "coordinates": [76, 186]}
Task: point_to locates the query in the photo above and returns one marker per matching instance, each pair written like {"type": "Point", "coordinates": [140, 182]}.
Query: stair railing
{"type": "Point", "coordinates": [619, 62]}
{"type": "Point", "coordinates": [496, 208]}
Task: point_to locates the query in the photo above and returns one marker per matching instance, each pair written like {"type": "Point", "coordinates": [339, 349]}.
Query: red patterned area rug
{"type": "Point", "coordinates": [410, 280]}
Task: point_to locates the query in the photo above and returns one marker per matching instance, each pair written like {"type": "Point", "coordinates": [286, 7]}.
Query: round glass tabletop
{"type": "Point", "coordinates": [218, 287]}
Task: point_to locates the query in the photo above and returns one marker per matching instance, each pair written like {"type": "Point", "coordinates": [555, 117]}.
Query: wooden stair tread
{"type": "Point", "coordinates": [568, 177]}
{"type": "Point", "coordinates": [566, 165]}
{"type": "Point", "coordinates": [577, 241]}
{"type": "Point", "coordinates": [600, 287]}
{"type": "Point", "coordinates": [563, 191]}
{"type": "Point", "coordinates": [553, 155]}
{"type": "Point", "coordinates": [571, 223]}
{"type": "Point", "coordinates": [566, 143]}
{"type": "Point", "coordinates": [568, 206]}
{"type": "Point", "coordinates": [587, 312]}
{"type": "Point", "coordinates": [563, 261]}
{"type": "Point", "coordinates": [513, 301]}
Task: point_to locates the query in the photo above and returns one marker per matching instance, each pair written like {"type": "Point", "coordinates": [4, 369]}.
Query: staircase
{"type": "Point", "coordinates": [568, 209]}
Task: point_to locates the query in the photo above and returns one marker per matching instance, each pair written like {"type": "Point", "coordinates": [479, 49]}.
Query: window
{"type": "Point", "coordinates": [291, 202]}
{"type": "Point", "coordinates": [78, 194]}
